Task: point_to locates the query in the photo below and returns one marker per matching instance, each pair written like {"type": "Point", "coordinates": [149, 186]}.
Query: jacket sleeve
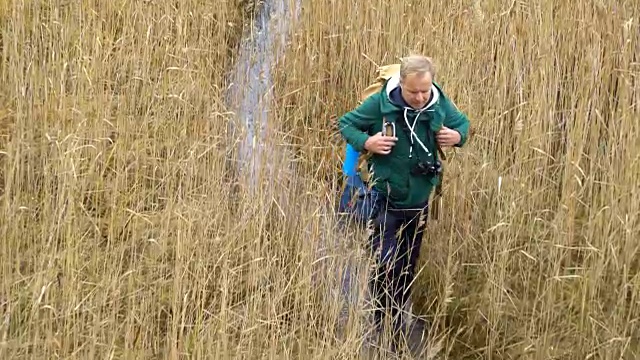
{"type": "Point", "coordinates": [456, 120]}
{"type": "Point", "coordinates": [355, 126]}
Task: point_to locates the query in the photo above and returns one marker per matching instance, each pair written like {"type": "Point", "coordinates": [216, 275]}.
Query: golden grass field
{"type": "Point", "coordinates": [126, 232]}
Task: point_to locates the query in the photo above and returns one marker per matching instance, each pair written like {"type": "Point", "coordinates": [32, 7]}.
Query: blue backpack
{"type": "Point", "coordinates": [357, 199]}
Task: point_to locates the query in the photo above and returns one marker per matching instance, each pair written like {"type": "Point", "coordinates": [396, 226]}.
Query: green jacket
{"type": "Point", "coordinates": [391, 174]}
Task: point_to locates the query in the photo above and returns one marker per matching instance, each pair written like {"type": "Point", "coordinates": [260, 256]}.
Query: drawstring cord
{"type": "Point", "coordinates": [413, 134]}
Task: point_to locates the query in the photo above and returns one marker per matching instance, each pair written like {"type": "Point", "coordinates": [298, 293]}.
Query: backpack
{"type": "Point", "coordinates": [356, 197]}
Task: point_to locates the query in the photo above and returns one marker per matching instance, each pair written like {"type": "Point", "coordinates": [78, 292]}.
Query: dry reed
{"type": "Point", "coordinates": [127, 233]}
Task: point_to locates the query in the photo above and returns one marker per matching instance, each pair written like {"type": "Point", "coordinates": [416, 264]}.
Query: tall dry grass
{"type": "Point", "coordinates": [536, 253]}
{"type": "Point", "coordinates": [123, 232]}
{"type": "Point", "coordinates": [127, 232]}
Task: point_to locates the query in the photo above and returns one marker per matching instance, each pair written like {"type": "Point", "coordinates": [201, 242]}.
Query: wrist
{"type": "Point", "coordinates": [360, 143]}
{"type": "Point", "coordinates": [366, 143]}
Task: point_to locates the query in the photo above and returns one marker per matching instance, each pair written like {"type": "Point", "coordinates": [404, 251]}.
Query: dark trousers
{"type": "Point", "coordinates": [395, 244]}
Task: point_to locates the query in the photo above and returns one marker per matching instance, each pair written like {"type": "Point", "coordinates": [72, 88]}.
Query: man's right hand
{"type": "Point", "coordinates": [379, 144]}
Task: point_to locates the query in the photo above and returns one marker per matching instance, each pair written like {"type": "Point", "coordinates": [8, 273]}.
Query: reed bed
{"type": "Point", "coordinates": [128, 231]}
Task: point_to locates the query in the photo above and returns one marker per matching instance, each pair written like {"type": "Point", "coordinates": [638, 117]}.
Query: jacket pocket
{"type": "Point", "coordinates": [379, 173]}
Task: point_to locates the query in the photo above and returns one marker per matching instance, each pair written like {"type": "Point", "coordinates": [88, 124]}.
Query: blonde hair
{"type": "Point", "coordinates": [417, 64]}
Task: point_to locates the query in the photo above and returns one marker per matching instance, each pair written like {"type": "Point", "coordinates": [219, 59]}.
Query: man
{"type": "Point", "coordinates": [404, 169]}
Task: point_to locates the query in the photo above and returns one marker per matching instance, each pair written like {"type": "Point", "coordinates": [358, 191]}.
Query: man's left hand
{"type": "Point", "coordinates": [448, 137]}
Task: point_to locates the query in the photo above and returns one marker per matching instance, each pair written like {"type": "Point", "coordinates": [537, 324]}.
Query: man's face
{"type": "Point", "coordinates": [416, 89]}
